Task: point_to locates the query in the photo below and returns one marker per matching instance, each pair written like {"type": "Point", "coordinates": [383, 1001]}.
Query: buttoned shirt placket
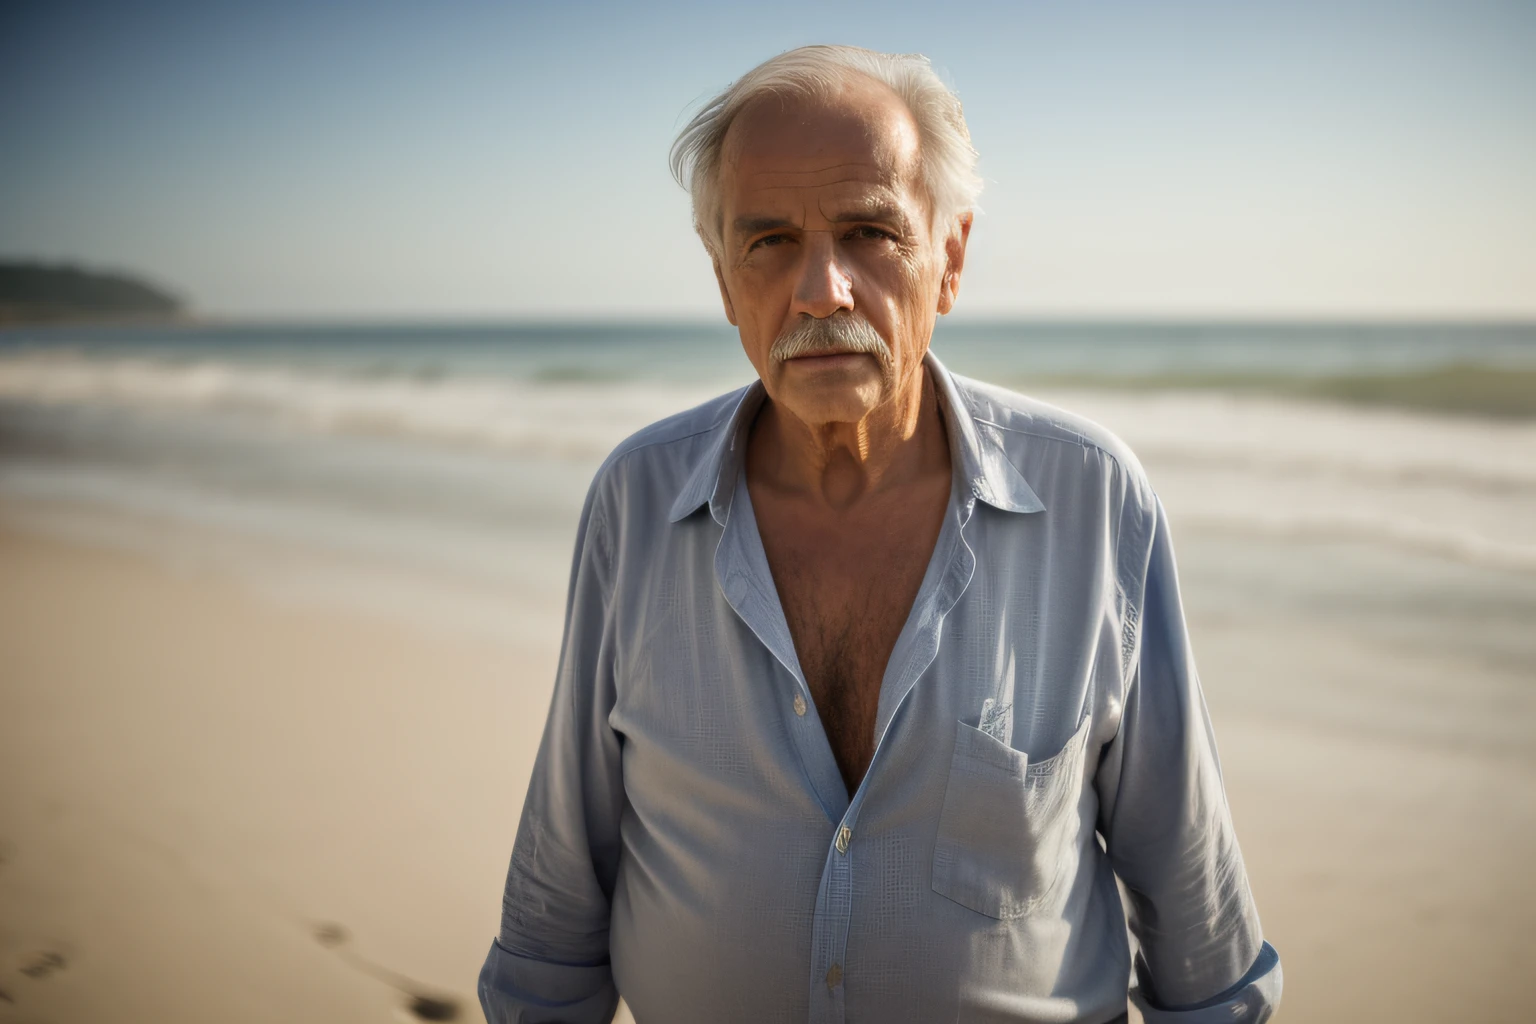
{"type": "Point", "coordinates": [742, 571]}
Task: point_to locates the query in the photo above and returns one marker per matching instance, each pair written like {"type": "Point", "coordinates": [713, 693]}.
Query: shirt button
{"type": "Point", "coordinates": [799, 705]}
{"type": "Point", "coordinates": [834, 975]}
{"type": "Point", "coordinates": [844, 837]}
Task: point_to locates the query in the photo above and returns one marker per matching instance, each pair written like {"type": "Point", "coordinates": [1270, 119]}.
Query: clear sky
{"type": "Point", "coordinates": [287, 159]}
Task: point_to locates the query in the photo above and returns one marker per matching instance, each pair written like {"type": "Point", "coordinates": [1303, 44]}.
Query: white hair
{"type": "Point", "coordinates": [947, 158]}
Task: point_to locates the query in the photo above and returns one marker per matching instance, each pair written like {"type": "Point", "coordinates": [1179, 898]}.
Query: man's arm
{"type": "Point", "coordinates": [1163, 814]}
{"type": "Point", "coordinates": [550, 961]}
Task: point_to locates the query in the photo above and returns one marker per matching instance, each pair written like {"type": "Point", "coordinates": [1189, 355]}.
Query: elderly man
{"type": "Point", "coordinates": [874, 678]}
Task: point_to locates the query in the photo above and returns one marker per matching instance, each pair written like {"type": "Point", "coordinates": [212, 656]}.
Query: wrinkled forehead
{"type": "Point", "coordinates": [859, 144]}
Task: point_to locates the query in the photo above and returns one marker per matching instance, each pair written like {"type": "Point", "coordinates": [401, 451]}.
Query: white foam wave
{"type": "Point", "coordinates": [562, 419]}
{"type": "Point", "coordinates": [585, 419]}
{"type": "Point", "coordinates": [1297, 438]}
{"type": "Point", "coordinates": [1461, 489]}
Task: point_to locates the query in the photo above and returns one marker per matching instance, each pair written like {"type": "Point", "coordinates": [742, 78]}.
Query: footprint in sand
{"type": "Point", "coordinates": [38, 965]}
{"type": "Point", "coordinates": [33, 965]}
{"type": "Point", "coordinates": [418, 1005]}
{"type": "Point", "coordinates": [427, 1008]}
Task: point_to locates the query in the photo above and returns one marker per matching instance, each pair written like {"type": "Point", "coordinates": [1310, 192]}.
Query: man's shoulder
{"type": "Point", "coordinates": [689, 428]}
{"type": "Point", "coordinates": [1028, 428]}
{"type": "Point", "coordinates": [653, 463]}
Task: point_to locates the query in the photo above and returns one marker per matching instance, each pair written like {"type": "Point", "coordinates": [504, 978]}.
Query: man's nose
{"type": "Point", "coordinates": [825, 286]}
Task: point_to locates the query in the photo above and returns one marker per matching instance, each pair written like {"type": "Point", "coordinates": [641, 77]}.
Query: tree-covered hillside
{"type": "Point", "coordinates": [35, 292]}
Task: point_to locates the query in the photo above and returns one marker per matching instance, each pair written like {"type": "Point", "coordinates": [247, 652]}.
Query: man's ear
{"type": "Point", "coordinates": [954, 263]}
{"type": "Point", "coordinates": [725, 295]}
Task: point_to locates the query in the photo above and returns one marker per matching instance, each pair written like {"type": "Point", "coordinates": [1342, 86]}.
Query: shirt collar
{"type": "Point", "coordinates": [983, 464]}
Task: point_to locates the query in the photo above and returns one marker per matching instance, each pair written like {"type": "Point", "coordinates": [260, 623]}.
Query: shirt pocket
{"type": "Point", "coordinates": [1008, 827]}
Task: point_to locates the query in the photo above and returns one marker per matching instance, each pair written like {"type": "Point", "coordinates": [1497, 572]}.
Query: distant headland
{"type": "Point", "coordinates": [32, 293]}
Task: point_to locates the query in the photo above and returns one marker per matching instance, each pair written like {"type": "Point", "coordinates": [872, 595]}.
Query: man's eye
{"type": "Point", "coordinates": [868, 231]}
{"type": "Point", "coordinates": [767, 240]}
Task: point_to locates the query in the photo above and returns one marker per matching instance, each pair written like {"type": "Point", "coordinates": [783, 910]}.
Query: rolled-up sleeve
{"type": "Point", "coordinates": [1167, 829]}
{"type": "Point", "coordinates": [550, 961]}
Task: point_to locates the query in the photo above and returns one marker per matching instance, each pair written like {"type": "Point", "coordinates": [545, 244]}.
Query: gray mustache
{"type": "Point", "coordinates": [833, 335]}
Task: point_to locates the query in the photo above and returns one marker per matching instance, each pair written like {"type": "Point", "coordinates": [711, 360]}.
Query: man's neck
{"type": "Point", "coordinates": [836, 465]}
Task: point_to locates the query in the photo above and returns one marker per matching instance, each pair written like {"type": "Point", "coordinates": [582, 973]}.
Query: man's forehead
{"type": "Point", "coordinates": [864, 121]}
{"type": "Point", "coordinates": [856, 149]}
{"type": "Point", "coordinates": [855, 175]}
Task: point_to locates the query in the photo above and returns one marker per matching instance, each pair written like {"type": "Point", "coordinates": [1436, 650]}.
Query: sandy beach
{"type": "Point", "coordinates": [228, 799]}
{"type": "Point", "coordinates": [207, 785]}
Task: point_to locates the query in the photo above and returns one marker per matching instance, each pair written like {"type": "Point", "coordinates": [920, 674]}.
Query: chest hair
{"type": "Point", "coordinates": [845, 618]}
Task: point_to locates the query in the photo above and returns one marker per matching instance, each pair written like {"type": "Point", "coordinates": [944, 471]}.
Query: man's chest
{"type": "Point", "coordinates": [846, 590]}
{"type": "Point", "coordinates": [715, 622]}
{"type": "Point", "coordinates": [845, 601]}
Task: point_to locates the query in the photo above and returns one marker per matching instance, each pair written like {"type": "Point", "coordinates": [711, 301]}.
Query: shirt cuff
{"type": "Point", "coordinates": [1252, 1000]}
{"type": "Point", "coordinates": [522, 990]}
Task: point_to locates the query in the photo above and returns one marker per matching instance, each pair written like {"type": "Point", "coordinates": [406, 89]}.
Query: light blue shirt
{"type": "Point", "coordinates": [688, 841]}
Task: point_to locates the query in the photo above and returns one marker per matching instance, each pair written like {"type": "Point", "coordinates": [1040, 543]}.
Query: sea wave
{"type": "Point", "coordinates": [584, 419]}
{"type": "Point", "coordinates": [1305, 439]}
{"type": "Point", "coordinates": [577, 420]}
{"type": "Point", "coordinates": [1283, 468]}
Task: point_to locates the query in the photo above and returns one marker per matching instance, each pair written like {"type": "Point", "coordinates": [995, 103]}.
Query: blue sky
{"type": "Point", "coordinates": [509, 160]}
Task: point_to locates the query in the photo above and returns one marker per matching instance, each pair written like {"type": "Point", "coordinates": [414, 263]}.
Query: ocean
{"type": "Point", "coordinates": [466, 450]}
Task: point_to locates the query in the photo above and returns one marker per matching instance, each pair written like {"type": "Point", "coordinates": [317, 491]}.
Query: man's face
{"type": "Point", "coordinates": [827, 250]}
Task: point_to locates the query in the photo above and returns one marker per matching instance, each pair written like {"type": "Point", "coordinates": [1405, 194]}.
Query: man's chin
{"type": "Point", "coordinates": [829, 397]}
